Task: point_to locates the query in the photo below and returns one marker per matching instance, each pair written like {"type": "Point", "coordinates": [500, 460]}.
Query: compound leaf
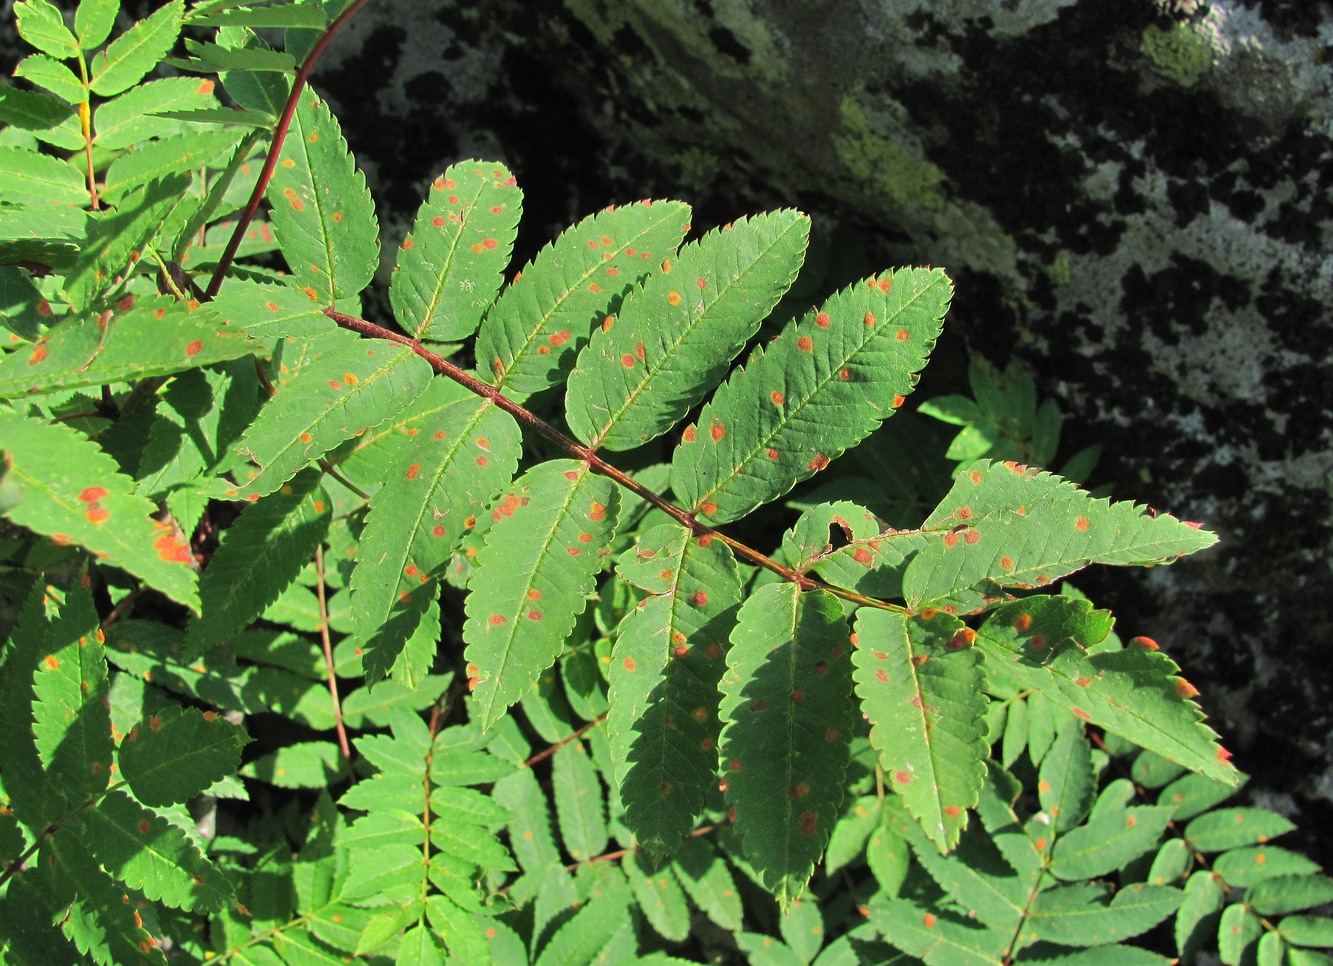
{"type": "Point", "coordinates": [354, 386]}
{"type": "Point", "coordinates": [144, 851]}
{"type": "Point", "coordinates": [675, 335]}
{"type": "Point", "coordinates": [940, 938]}
{"type": "Point", "coordinates": [70, 490]}
{"type": "Point", "coordinates": [322, 211]}
{"type": "Point", "coordinates": [1135, 693]}
{"type": "Point", "coordinates": [137, 51]}
{"type": "Point", "coordinates": [1004, 525]}
{"type": "Point", "coordinates": [458, 460]}
{"type": "Point", "coordinates": [869, 561]}
{"type": "Point", "coordinates": [787, 726]}
{"type": "Point", "coordinates": [919, 680]}
{"type": "Point", "coordinates": [175, 754]}
{"type": "Point", "coordinates": [452, 264]}
{"type": "Point", "coordinates": [550, 532]}
{"type": "Point", "coordinates": [665, 667]}
{"type": "Point", "coordinates": [531, 334]}
{"type": "Point", "coordinates": [816, 390]}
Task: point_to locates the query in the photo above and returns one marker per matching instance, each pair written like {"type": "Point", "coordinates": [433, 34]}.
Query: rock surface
{"type": "Point", "coordinates": [1133, 198]}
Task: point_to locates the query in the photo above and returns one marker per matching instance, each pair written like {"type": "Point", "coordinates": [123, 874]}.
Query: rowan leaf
{"type": "Point", "coordinates": [1004, 525]}
{"type": "Point", "coordinates": [1087, 915]}
{"type": "Point", "coordinates": [579, 802]}
{"type": "Point", "coordinates": [93, 20]}
{"type": "Point", "coordinates": [451, 265]}
{"type": "Point", "coordinates": [818, 389]}
{"type": "Point", "coordinates": [27, 175]}
{"type": "Point", "coordinates": [787, 727]}
{"type": "Point", "coordinates": [545, 546]}
{"type": "Point", "coordinates": [676, 333]}
{"type": "Point", "coordinates": [175, 754]}
{"type": "Point", "coordinates": [137, 51]}
{"type": "Point", "coordinates": [135, 117]}
{"type": "Point", "coordinates": [460, 457]}
{"type": "Point", "coordinates": [665, 667]}
{"type": "Point", "coordinates": [530, 336]}
{"type": "Point", "coordinates": [322, 211]}
{"type": "Point", "coordinates": [70, 490]}
{"type": "Point", "coordinates": [144, 851]}
{"type": "Point", "coordinates": [919, 681]}
{"type": "Point", "coordinates": [868, 560]}
{"type": "Point", "coordinates": [40, 23]}
{"type": "Point", "coordinates": [155, 337]}
{"type": "Point", "coordinates": [1135, 693]}
{"type": "Point", "coordinates": [347, 389]}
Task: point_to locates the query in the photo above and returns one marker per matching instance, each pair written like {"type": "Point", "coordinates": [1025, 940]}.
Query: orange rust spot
{"type": "Point", "coordinates": [92, 494]}
{"type": "Point", "coordinates": [805, 344]}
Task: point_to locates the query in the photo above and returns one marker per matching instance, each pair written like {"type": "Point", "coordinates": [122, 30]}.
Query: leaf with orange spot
{"type": "Point", "coordinates": [787, 728]}
{"type": "Point", "coordinates": [552, 295]}
{"type": "Point", "coordinates": [354, 386]}
{"type": "Point", "coordinates": [137, 51]}
{"type": "Point", "coordinates": [151, 855]}
{"type": "Point", "coordinates": [71, 724]}
{"type": "Point", "coordinates": [868, 559]}
{"type": "Point", "coordinates": [1003, 525]}
{"type": "Point", "coordinates": [734, 279]}
{"type": "Point", "coordinates": [447, 278]}
{"type": "Point", "coordinates": [663, 724]}
{"type": "Point", "coordinates": [50, 465]}
{"type": "Point", "coordinates": [824, 412]}
{"type": "Point", "coordinates": [336, 257]}
{"type": "Point", "coordinates": [1042, 643]}
{"type": "Point", "coordinates": [417, 521]}
{"type": "Point", "coordinates": [151, 339]}
{"type": "Point", "coordinates": [177, 753]}
{"type": "Point", "coordinates": [927, 715]}
{"type": "Point", "coordinates": [534, 545]}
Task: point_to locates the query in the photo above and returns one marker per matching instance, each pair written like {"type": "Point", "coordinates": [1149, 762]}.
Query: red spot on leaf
{"type": "Point", "coordinates": [52, 662]}
{"type": "Point", "coordinates": [92, 494]}
{"type": "Point", "coordinates": [902, 777]}
{"type": "Point", "coordinates": [797, 696]}
{"type": "Point", "coordinates": [413, 471]}
{"type": "Point", "coordinates": [901, 335]}
{"type": "Point", "coordinates": [950, 539]}
{"type": "Point", "coordinates": [869, 318]}
{"type": "Point", "coordinates": [804, 343]}
{"type": "Point", "coordinates": [1145, 642]}
{"type": "Point", "coordinates": [717, 431]}
{"type": "Point", "coordinates": [822, 320]}
{"type": "Point", "coordinates": [882, 675]}
{"type": "Point", "coordinates": [777, 397]}
{"type": "Point", "coordinates": [1023, 622]}
{"type": "Point", "coordinates": [700, 599]}
{"type": "Point", "coordinates": [734, 765]}
{"type": "Point", "coordinates": [818, 463]}
{"type": "Point", "coordinates": [495, 620]}
{"type": "Point", "coordinates": [1081, 523]}
{"type": "Point", "coordinates": [1079, 712]}
{"type": "Point", "coordinates": [972, 536]}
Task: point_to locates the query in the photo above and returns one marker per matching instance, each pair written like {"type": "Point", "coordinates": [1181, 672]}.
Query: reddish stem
{"type": "Point", "coordinates": [328, 656]}
{"type": "Point", "coordinates": [275, 148]}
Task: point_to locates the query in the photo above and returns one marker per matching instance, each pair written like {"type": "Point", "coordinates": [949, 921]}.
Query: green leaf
{"type": "Point", "coordinates": [1238, 934]}
{"type": "Point", "coordinates": [156, 337]}
{"type": "Point", "coordinates": [137, 51]}
{"type": "Point", "coordinates": [132, 118]}
{"type": "Point", "coordinates": [675, 336]}
{"type": "Point", "coordinates": [1135, 693]}
{"type": "Point", "coordinates": [1191, 795]}
{"type": "Point", "coordinates": [30, 176]}
{"type": "Point", "coordinates": [1307, 930]}
{"type": "Point", "coordinates": [868, 561]}
{"type": "Point", "coordinates": [71, 725]}
{"type": "Point", "coordinates": [174, 755]}
{"type": "Point", "coordinates": [322, 211]}
{"type": "Point", "coordinates": [938, 938]}
{"type": "Point", "coordinates": [45, 116]}
{"type": "Point", "coordinates": [452, 264]}
{"type": "Point", "coordinates": [787, 725]}
{"type": "Point", "coordinates": [815, 391]}
{"type": "Point", "coordinates": [141, 849]}
{"type": "Point", "coordinates": [462, 934]}
{"type": "Point", "coordinates": [1111, 838]}
{"type": "Point", "coordinates": [308, 764]}
{"type": "Point", "coordinates": [353, 387]}
{"type": "Point", "coordinates": [1242, 868]}
{"type": "Point", "coordinates": [53, 76]}
{"type": "Point", "coordinates": [441, 480]}
{"type": "Point", "coordinates": [920, 684]}
{"type": "Point", "coordinates": [270, 311]}
{"type": "Point", "coordinates": [72, 492]}
{"type": "Point", "coordinates": [578, 802]}
{"type": "Point", "coordinates": [531, 335]}
{"type": "Point", "coordinates": [802, 928]}
{"type": "Point", "coordinates": [1081, 915]}
{"type": "Point", "coordinates": [545, 547]}
{"type": "Point", "coordinates": [93, 20]}
{"type": "Point", "coordinates": [158, 159]}
{"type": "Point", "coordinates": [1004, 525]}
{"type": "Point", "coordinates": [659, 896]}
{"type": "Point", "coordinates": [40, 23]}
{"type": "Point", "coordinates": [977, 879]}
{"type": "Point", "coordinates": [1197, 918]}
{"type": "Point", "coordinates": [594, 935]}
{"type": "Point", "coordinates": [704, 875]}
{"type": "Point", "coordinates": [278, 15]}
{"type": "Point", "coordinates": [1230, 828]}
{"type": "Point", "coordinates": [1289, 893]}
{"type": "Point", "coordinates": [1066, 784]}
{"type": "Point", "coordinates": [260, 554]}
{"type": "Point", "coordinates": [530, 822]}
{"type": "Point", "coordinates": [665, 668]}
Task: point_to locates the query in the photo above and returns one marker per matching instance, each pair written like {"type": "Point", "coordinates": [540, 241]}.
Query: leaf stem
{"type": "Point", "coordinates": [576, 449]}
{"type": "Point", "coordinates": [328, 656]}
{"type": "Point", "coordinates": [275, 146]}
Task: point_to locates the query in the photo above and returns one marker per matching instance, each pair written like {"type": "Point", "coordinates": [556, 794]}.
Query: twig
{"type": "Point", "coordinates": [328, 655]}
